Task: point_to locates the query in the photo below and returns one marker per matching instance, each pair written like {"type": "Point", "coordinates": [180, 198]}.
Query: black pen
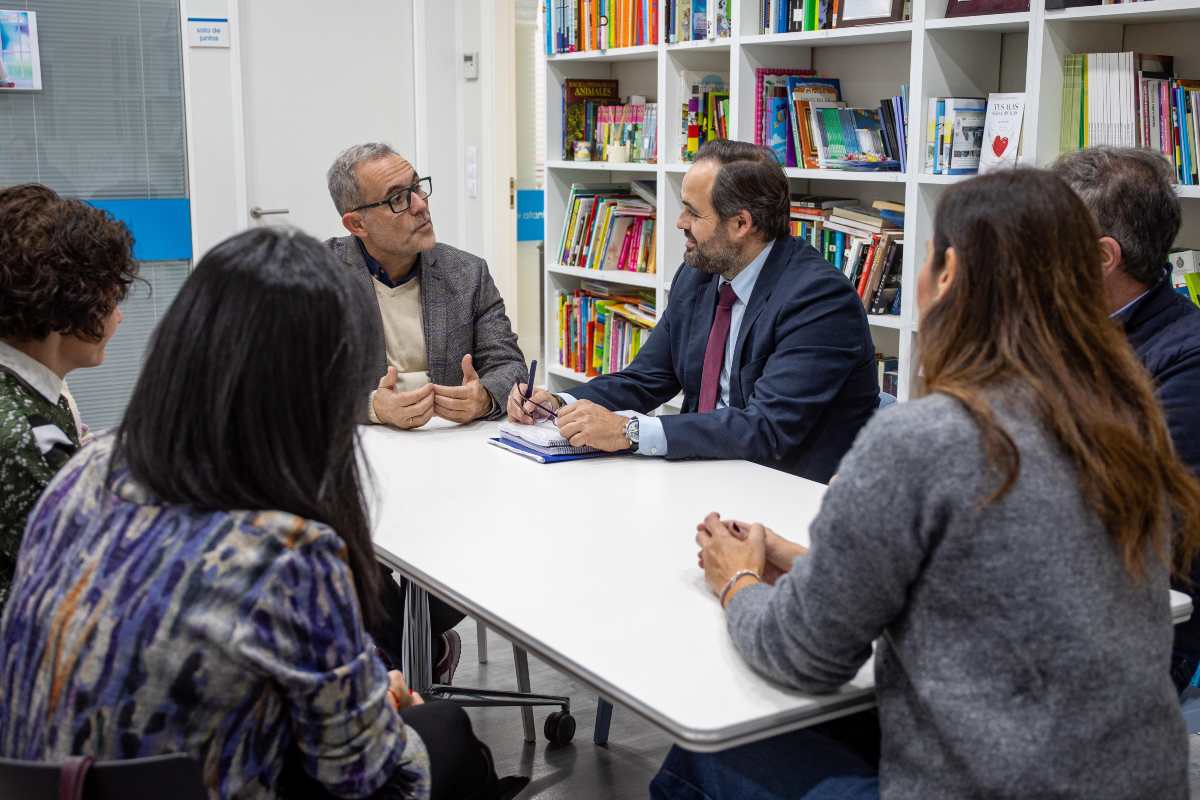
{"type": "Point", "coordinates": [532, 377]}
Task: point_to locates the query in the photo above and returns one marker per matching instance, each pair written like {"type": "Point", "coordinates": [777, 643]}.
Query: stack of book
{"type": "Point", "coordinates": [866, 244]}
{"type": "Point", "coordinates": [630, 130]}
{"type": "Point", "coordinates": [1132, 100]}
{"type": "Point", "coordinates": [888, 373]}
{"type": "Point", "coordinates": [704, 115]}
{"type": "Point", "coordinates": [600, 332]}
{"type": "Point", "coordinates": [954, 137]}
{"type": "Point", "coordinates": [609, 226]}
{"type": "Point", "coordinates": [582, 100]}
{"type": "Point", "coordinates": [804, 120]}
{"type": "Point", "coordinates": [541, 442]}
{"type": "Point", "coordinates": [691, 20]}
{"type": "Point", "coordinates": [1185, 273]}
{"type": "Point", "coordinates": [575, 25]}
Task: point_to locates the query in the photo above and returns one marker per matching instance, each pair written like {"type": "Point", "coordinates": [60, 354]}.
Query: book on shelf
{"type": "Point", "coordinates": [694, 20]}
{"type": "Point", "coordinates": [955, 135]}
{"type": "Point", "coordinates": [793, 16]}
{"type": "Point", "coordinates": [579, 25]}
{"type": "Point", "coordinates": [1185, 273]}
{"type": "Point", "coordinates": [1132, 100]}
{"type": "Point", "coordinates": [582, 100]}
{"type": "Point", "coordinates": [865, 244]}
{"type": "Point", "coordinates": [704, 114]}
{"type": "Point", "coordinates": [601, 334]}
{"type": "Point", "coordinates": [630, 130]}
{"type": "Point", "coordinates": [608, 227]}
{"type": "Point", "coordinates": [1002, 131]}
{"type": "Point", "coordinates": [888, 373]}
{"type": "Point", "coordinates": [802, 118]}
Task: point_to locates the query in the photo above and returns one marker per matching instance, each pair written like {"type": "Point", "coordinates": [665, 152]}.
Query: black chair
{"type": "Point", "coordinates": [175, 776]}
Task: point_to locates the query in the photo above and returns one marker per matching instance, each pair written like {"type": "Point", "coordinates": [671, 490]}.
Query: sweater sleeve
{"type": "Point", "coordinates": [306, 633]}
{"type": "Point", "coordinates": [814, 629]}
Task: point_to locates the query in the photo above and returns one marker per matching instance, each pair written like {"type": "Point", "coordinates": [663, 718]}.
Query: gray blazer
{"type": "Point", "coordinates": [461, 312]}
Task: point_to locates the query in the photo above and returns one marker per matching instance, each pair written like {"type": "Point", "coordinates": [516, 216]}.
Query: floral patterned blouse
{"type": "Point", "coordinates": [135, 628]}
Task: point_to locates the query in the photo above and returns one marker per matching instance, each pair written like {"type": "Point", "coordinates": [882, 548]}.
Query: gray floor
{"type": "Point", "coordinates": [580, 770]}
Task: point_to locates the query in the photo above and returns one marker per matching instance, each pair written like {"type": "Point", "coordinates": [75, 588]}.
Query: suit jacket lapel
{"type": "Point", "coordinates": [433, 316]}
{"type": "Point", "coordinates": [705, 299]}
{"type": "Point", "coordinates": [777, 262]}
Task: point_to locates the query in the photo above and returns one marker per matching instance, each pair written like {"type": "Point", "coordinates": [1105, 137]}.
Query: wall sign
{"type": "Point", "coordinates": [208, 31]}
{"type": "Point", "coordinates": [20, 62]}
{"type": "Point", "coordinates": [530, 217]}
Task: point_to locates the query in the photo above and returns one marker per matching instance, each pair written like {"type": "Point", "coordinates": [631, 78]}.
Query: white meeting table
{"type": "Point", "coordinates": [591, 566]}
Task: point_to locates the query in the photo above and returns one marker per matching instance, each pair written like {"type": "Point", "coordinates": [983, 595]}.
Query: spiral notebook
{"type": "Point", "coordinates": [541, 441]}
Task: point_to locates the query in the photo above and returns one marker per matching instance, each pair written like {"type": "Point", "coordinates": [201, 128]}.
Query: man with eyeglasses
{"type": "Point", "coordinates": [445, 346]}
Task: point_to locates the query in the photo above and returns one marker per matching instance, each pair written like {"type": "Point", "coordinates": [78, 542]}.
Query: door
{"type": "Point", "coordinates": [317, 78]}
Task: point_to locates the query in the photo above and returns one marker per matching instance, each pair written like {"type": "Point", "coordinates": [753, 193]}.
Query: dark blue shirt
{"type": "Point", "coordinates": [379, 273]}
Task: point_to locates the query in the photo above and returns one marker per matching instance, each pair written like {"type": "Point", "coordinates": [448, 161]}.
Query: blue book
{"type": "Point", "coordinates": [777, 134]}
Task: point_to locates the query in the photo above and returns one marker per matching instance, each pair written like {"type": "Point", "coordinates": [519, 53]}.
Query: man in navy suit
{"type": "Point", "coordinates": [768, 342]}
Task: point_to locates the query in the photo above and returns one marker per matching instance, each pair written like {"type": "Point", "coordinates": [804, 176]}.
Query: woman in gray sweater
{"type": "Point", "coordinates": [1006, 541]}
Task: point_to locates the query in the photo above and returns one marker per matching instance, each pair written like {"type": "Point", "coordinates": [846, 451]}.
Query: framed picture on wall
{"type": "Point", "coordinates": [20, 61]}
{"type": "Point", "coordinates": [869, 12]}
{"type": "Point", "coordinates": [970, 8]}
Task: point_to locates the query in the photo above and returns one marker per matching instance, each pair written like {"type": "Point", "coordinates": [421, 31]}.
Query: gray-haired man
{"type": "Point", "coordinates": [1131, 195]}
{"type": "Point", "coordinates": [446, 347]}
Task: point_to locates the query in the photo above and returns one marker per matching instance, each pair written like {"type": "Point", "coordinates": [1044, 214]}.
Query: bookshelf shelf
{"type": "Point", "coordinates": [844, 175]}
{"type": "Point", "coordinates": [893, 321]}
{"type": "Point", "coordinates": [927, 178]}
{"type": "Point", "coordinates": [646, 52]}
{"type": "Point", "coordinates": [570, 374]}
{"type": "Point", "coordinates": [602, 166]}
{"type": "Point", "coordinates": [621, 277]}
{"type": "Point", "coordinates": [864, 34]}
{"type": "Point", "coordinates": [1148, 11]}
{"type": "Point", "coordinates": [934, 56]}
{"type": "Point", "coordinates": [999, 23]}
{"type": "Point", "coordinates": [701, 44]}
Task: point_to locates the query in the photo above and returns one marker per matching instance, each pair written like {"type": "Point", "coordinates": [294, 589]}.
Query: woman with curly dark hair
{"type": "Point", "coordinates": [64, 269]}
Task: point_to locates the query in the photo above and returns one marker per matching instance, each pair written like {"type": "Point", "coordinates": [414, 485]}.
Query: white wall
{"type": "Point", "coordinates": [215, 142]}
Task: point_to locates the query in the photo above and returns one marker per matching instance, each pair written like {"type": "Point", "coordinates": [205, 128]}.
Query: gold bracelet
{"type": "Point", "coordinates": [737, 576]}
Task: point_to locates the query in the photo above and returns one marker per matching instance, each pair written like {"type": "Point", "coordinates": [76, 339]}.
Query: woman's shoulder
{"type": "Point", "coordinates": [922, 427]}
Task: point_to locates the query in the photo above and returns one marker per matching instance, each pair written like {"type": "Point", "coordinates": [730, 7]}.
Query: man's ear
{"type": "Point", "coordinates": [353, 222]}
{"type": "Point", "coordinates": [1111, 256]}
{"type": "Point", "coordinates": [743, 224]}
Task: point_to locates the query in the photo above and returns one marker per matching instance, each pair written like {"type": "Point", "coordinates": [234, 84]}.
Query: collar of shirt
{"type": "Point", "coordinates": [1120, 312]}
{"type": "Point", "coordinates": [32, 371]}
{"type": "Point", "coordinates": [379, 273]}
{"type": "Point", "coordinates": [743, 282]}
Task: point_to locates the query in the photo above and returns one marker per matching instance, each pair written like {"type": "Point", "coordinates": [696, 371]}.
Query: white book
{"type": "Point", "coordinates": [1002, 131]}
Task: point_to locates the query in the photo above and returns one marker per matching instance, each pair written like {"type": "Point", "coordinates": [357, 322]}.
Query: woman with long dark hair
{"type": "Point", "coordinates": [199, 583]}
{"type": "Point", "coordinates": [1005, 542]}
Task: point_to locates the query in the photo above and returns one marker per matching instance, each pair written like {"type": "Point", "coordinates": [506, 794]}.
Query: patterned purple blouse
{"type": "Point", "coordinates": [135, 628]}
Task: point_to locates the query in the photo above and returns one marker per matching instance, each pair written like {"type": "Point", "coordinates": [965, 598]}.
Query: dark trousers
{"type": "Point", "coordinates": [389, 633]}
{"type": "Point", "coordinates": [460, 765]}
{"type": "Point", "coordinates": [837, 760]}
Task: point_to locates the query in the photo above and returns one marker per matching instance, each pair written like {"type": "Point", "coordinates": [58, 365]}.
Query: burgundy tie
{"type": "Point", "coordinates": [714, 354]}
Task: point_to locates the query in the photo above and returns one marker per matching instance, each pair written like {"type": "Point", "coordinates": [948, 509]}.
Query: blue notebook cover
{"type": "Point", "coordinates": [541, 458]}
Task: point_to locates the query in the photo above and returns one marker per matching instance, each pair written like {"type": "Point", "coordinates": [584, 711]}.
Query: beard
{"type": "Point", "coordinates": [714, 257]}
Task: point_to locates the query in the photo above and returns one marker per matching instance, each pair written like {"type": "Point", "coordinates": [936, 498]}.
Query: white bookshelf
{"type": "Point", "coordinates": [934, 55]}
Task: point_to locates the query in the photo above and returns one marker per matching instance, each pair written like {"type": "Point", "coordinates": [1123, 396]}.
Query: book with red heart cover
{"type": "Point", "coordinates": [1002, 131]}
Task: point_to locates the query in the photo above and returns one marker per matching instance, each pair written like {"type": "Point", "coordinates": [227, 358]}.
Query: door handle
{"type": "Point", "coordinates": [259, 211]}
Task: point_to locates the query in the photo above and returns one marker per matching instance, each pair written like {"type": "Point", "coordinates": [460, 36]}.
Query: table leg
{"type": "Point", "coordinates": [481, 641]}
{"type": "Point", "coordinates": [522, 661]}
{"type": "Point", "coordinates": [604, 711]}
{"type": "Point", "coordinates": [416, 660]}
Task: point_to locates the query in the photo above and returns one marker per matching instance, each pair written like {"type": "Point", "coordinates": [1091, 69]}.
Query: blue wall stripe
{"type": "Point", "coordinates": [162, 229]}
{"type": "Point", "coordinates": [208, 19]}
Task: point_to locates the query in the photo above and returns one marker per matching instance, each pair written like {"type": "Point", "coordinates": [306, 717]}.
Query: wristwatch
{"type": "Point", "coordinates": [631, 432]}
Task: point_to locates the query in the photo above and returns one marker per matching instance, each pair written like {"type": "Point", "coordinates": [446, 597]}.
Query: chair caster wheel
{"type": "Point", "coordinates": [559, 728]}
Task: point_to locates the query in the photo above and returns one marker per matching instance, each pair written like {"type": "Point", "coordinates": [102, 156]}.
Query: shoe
{"type": "Point", "coordinates": [443, 670]}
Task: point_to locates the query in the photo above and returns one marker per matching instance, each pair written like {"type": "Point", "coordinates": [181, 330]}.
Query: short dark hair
{"type": "Point", "coordinates": [251, 392]}
{"type": "Point", "coordinates": [1130, 192]}
{"type": "Point", "coordinates": [750, 178]}
{"type": "Point", "coordinates": [64, 265]}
